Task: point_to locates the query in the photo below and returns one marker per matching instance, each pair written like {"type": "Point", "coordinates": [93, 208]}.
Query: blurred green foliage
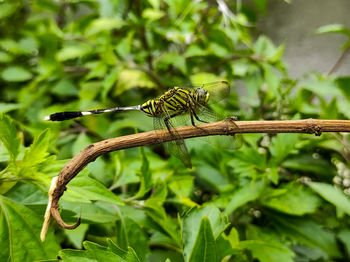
{"type": "Point", "coordinates": [280, 197]}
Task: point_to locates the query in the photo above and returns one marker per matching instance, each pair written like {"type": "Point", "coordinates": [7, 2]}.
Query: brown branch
{"type": "Point", "coordinates": [91, 152]}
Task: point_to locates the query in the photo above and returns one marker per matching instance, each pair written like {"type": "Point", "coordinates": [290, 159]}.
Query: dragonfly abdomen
{"type": "Point", "coordinates": [74, 114]}
{"type": "Point", "coordinates": [152, 108]}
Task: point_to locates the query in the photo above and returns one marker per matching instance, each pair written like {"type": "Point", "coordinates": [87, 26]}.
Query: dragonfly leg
{"type": "Point", "coordinates": [195, 115]}
{"type": "Point", "coordinates": [166, 120]}
{"type": "Point", "coordinates": [192, 113]}
{"type": "Point", "coordinates": [192, 120]}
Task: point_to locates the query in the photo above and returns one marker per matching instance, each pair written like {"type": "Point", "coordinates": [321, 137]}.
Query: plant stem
{"type": "Point", "coordinates": [339, 61]}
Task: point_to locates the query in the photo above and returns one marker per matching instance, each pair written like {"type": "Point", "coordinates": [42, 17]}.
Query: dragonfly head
{"type": "Point", "coordinates": [202, 95]}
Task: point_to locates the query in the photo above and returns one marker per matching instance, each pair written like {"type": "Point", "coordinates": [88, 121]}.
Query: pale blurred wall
{"type": "Point", "coordinates": [295, 24]}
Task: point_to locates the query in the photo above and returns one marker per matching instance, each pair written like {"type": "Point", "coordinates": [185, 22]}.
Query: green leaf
{"type": "Point", "coordinates": [84, 188]}
{"type": "Point", "coordinates": [6, 107]}
{"type": "Point", "coordinates": [98, 167]}
{"type": "Point", "coordinates": [171, 59]}
{"type": "Point", "coordinates": [155, 210]}
{"type": "Point", "coordinates": [121, 233]}
{"type": "Point", "coordinates": [145, 176]}
{"type": "Point", "coordinates": [97, 253]}
{"type": "Point", "coordinates": [266, 246]}
{"type": "Point", "coordinates": [209, 173]}
{"type": "Point", "coordinates": [330, 110]}
{"type": "Point", "coordinates": [27, 194]}
{"type": "Point", "coordinates": [109, 82]}
{"type": "Point", "coordinates": [152, 14]}
{"type": "Point", "coordinates": [291, 199]}
{"type": "Point", "coordinates": [100, 253]}
{"type": "Point", "coordinates": [80, 143]}
{"type": "Point", "coordinates": [9, 45]}
{"type": "Point", "coordinates": [98, 69]}
{"type": "Point", "coordinates": [228, 244]}
{"type": "Point", "coordinates": [154, 3]}
{"type": "Point", "coordinates": [272, 79]}
{"type": "Point", "coordinates": [65, 87]}
{"type": "Point", "coordinates": [71, 255]}
{"type": "Point", "coordinates": [104, 25]}
{"type": "Point", "coordinates": [333, 195]}
{"type": "Point", "coordinates": [266, 49]}
{"type": "Point", "coordinates": [130, 78]}
{"type": "Point", "coordinates": [8, 136]}
{"type": "Point", "coordinates": [344, 108]}
{"type": "Point", "coordinates": [130, 255]}
{"type": "Point", "coordinates": [343, 84]}
{"type": "Point", "coordinates": [218, 50]}
{"type": "Point", "coordinates": [95, 212]}
{"type": "Point", "coordinates": [20, 234]}
{"type": "Point", "coordinates": [307, 163]}
{"type": "Point", "coordinates": [191, 226]}
{"type": "Point", "coordinates": [7, 9]}
{"type": "Point", "coordinates": [69, 52]}
{"type": "Point", "coordinates": [37, 152]}
{"type": "Point", "coordinates": [323, 87]}
{"type": "Point", "coordinates": [202, 78]}
{"type": "Point", "coordinates": [307, 232]}
{"type": "Point", "coordinates": [261, 5]}
{"type": "Point", "coordinates": [16, 74]}
{"type": "Point", "coordinates": [333, 28]}
{"type": "Point", "coordinates": [137, 238]}
{"type": "Point", "coordinates": [76, 236]}
{"type": "Point", "coordinates": [124, 47]}
{"type": "Point", "coordinates": [204, 249]}
{"type": "Point", "coordinates": [249, 192]}
{"type": "Point", "coordinates": [248, 161]}
{"type": "Point", "coordinates": [28, 46]}
{"type": "Point", "coordinates": [282, 145]}
{"type": "Point", "coordinates": [5, 58]}
{"type": "Point", "coordinates": [182, 186]}
{"type": "Point", "coordinates": [344, 236]}
{"type": "Point", "coordinates": [194, 50]}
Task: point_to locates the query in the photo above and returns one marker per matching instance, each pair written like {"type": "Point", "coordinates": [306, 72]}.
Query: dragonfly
{"type": "Point", "coordinates": [177, 103]}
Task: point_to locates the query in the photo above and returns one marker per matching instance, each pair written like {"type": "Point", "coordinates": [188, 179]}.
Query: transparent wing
{"type": "Point", "coordinates": [228, 142]}
{"type": "Point", "coordinates": [175, 147]}
{"type": "Point", "coordinates": [205, 114]}
{"type": "Point", "coordinates": [218, 90]}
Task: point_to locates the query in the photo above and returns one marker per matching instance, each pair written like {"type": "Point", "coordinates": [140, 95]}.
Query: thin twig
{"type": "Point", "coordinates": [61, 19]}
{"type": "Point", "coordinates": [339, 61]}
{"type": "Point", "coordinates": [91, 152]}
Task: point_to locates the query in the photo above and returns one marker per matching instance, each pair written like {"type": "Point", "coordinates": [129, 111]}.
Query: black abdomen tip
{"type": "Point", "coordinates": [64, 116]}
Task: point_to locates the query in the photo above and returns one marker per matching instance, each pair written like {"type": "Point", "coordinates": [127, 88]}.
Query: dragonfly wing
{"type": "Point", "coordinates": [228, 142]}
{"type": "Point", "coordinates": [218, 91]}
{"type": "Point", "coordinates": [176, 147]}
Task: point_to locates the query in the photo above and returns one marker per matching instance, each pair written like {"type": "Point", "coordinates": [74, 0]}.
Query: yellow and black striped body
{"type": "Point", "coordinates": [152, 108]}
{"type": "Point", "coordinates": [175, 100]}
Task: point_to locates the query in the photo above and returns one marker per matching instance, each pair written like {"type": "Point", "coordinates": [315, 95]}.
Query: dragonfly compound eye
{"type": "Point", "coordinates": [207, 96]}
{"type": "Point", "coordinates": [202, 95]}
